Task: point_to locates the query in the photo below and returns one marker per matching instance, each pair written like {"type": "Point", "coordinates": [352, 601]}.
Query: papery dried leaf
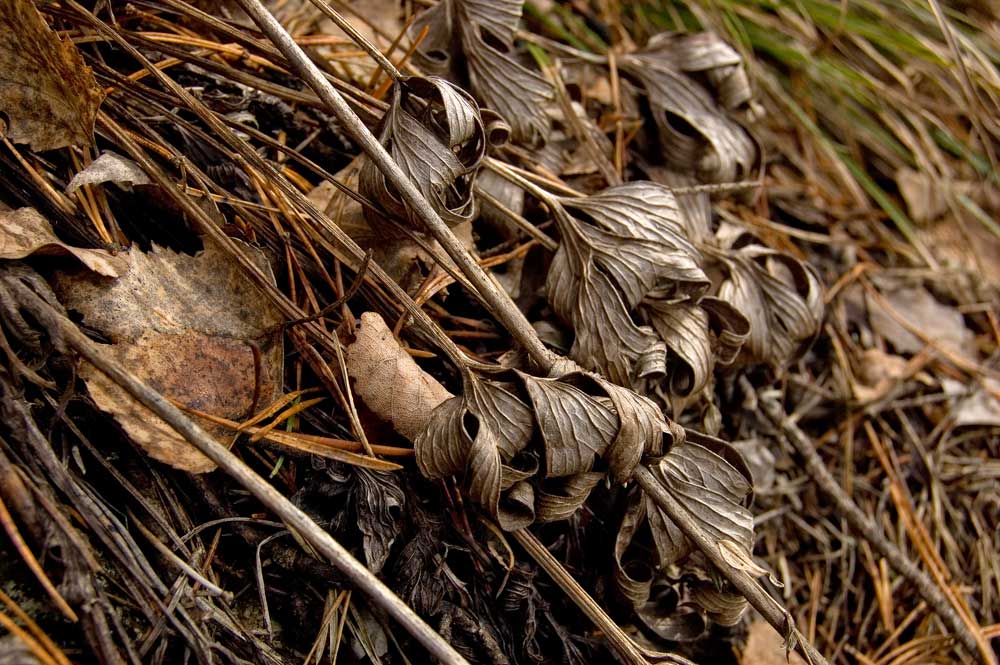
{"type": "Point", "coordinates": [25, 232]}
{"type": "Point", "coordinates": [725, 608]}
{"type": "Point", "coordinates": [707, 53]}
{"type": "Point", "coordinates": [712, 490]}
{"type": "Point", "coordinates": [633, 576]}
{"type": "Point", "coordinates": [559, 499]}
{"type": "Point", "coordinates": [700, 335]}
{"type": "Point", "coordinates": [694, 131]}
{"type": "Point", "coordinates": [485, 35]}
{"type": "Point", "coordinates": [631, 243]}
{"type": "Point", "coordinates": [211, 342]}
{"type": "Point", "coordinates": [475, 435]}
{"type": "Point", "coordinates": [684, 327]}
{"type": "Point", "coordinates": [379, 500]}
{"type": "Point", "coordinates": [715, 493]}
{"type": "Point", "coordinates": [109, 167]}
{"type": "Point", "coordinates": [696, 208]}
{"type": "Point", "coordinates": [435, 133]}
{"type": "Point", "coordinates": [780, 296]}
{"type": "Point", "coordinates": [575, 428]}
{"type": "Point", "coordinates": [388, 380]}
{"type": "Point", "coordinates": [49, 95]}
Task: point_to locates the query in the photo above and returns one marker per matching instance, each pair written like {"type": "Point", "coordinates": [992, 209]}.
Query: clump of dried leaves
{"type": "Point", "coordinates": [621, 198]}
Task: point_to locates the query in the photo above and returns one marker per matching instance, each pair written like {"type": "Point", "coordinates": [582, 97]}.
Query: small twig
{"type": "Point", "coordinates": [616, 637]}
{"type": "Point", "coordinates": [769, 608]}
{"type": "Point", "coordinates": [63, 330]}
{"type": "Point", "coordinates": [862, 523]}
{"type": "Point", "coordinates": [517, 219]}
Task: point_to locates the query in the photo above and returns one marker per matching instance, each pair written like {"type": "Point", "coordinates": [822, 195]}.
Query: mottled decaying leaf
{"type": "Point", "coordinates": [25, 232]}
{"type": "Point", "coordinates": [109, 167]}
{"type": "Point", "coordinates": [714, 485]}
{"type": "Point", "coordinates": [694, 131]}
{"type": "Point", "coordinates": [779, 295]}
{"type": "Point", "coordinates": [435, 133]}
{"type": "Point", "coordinates": [49, 95]}
{"type": "Point", "coordinates": [387, 379]}
{"type": "Point", "coordinates": [920, 310]}
{"type": "Point", "coordinates": [194, 329]}
{"type": "Point", "coordinates": [480, 35]}
{"type": "Point", "coordinates": [618, 247]}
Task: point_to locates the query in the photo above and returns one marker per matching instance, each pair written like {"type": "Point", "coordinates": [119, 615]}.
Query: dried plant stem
{"type": "Point", "coordinates": [769, 608]}
{"type": "Point", "coordinates": [62, 329]}
{"type": "Point", "coordinates": [970, 636]}
{"type": "Point", "coordinates": [616, 637]}
{"type": "Point", "coordinates": [500, 303]}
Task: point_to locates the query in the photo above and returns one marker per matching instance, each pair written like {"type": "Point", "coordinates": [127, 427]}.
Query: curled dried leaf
{"type": "Point", "coordinates": [780, 296]}
{"type": "Point", "coordinates": [475, 436]}
{"type": "Point", "coordinates": [618, 247]}
{"type": "Point", "coordinates": [710, 479]}
{"type": "Point", "coordinates": [485, 43]}
{"type": "Point", "coordinates": [435, 133]}
{"type": "Point", "coordinates": [693, 129]}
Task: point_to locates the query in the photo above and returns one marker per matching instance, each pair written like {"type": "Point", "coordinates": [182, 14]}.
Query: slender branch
{"type": "Point", "coordinates": [358, 38]}
{"type": "Point", "coordinates": [501, 304]}
{"type": "Point", "coordinates": [63, 330]}
{"type": "Point", "coordinates": [616, 637]}
{"type": "Point", "coordinates": [924, 585]}
{"type": "Point", "coordinates": [769, 608]}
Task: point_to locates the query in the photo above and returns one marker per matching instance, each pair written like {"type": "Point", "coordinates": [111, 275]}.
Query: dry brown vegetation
{"type": "Point", "coordinates": [499, 332]}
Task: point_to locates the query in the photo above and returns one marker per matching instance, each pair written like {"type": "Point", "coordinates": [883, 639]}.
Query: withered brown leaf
{"type": "Point", "coordinates": [617, 247]}
{"type": "Point", "coordinates": [713, 484]}
{"type": "Point", "coordinates": [475, 436]}
{"type": "Point", "coordinates": [196, 344]}
{"type": "Point", "coordinates": [483, 32]}
{"type": "Point", "coordinates": [694, 131]}
{"type": "Point", "coordinates": [24, 232]}
{"type": "Point", "coordinates": [49, 95]}
{"type": "Point", "coordinates": [435, 133]}
{"type": "Point", "coordinates": [780, 296]}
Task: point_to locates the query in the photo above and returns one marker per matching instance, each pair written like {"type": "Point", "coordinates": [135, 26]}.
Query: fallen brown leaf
{"type": "Point", "coordinates": [387, 379]}
{"type": "Point", "coordinates": [24, 232]}
{"type": "Point", "coordinates": [194, 329]}
{"type": "Point", "coordinates": [49, 95]}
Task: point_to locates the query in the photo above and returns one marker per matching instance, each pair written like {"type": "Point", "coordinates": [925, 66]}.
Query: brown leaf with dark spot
{"type": "Point", "coordinates": [195, 329]}
{"type": "Point", "coordinates": [46, 90]}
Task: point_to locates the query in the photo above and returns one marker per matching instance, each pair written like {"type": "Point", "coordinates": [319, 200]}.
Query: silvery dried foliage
{"type": "Point", "coordinates": [437, 135]}
{"type": "Point", "coordinates": [527, 449]}
{"type": "Point", "coordinates": [695, 133]}
{"type": "Point", "coordinates": [475, 39]}
{"type": "Point", "coordinates": [781, 297]}
{"type": "Point", "coordinates": [617, 247]}
{"type": "Point", "coordinates": [713, 483]}
{"type": "Point", "coordinates": [625, 256]}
